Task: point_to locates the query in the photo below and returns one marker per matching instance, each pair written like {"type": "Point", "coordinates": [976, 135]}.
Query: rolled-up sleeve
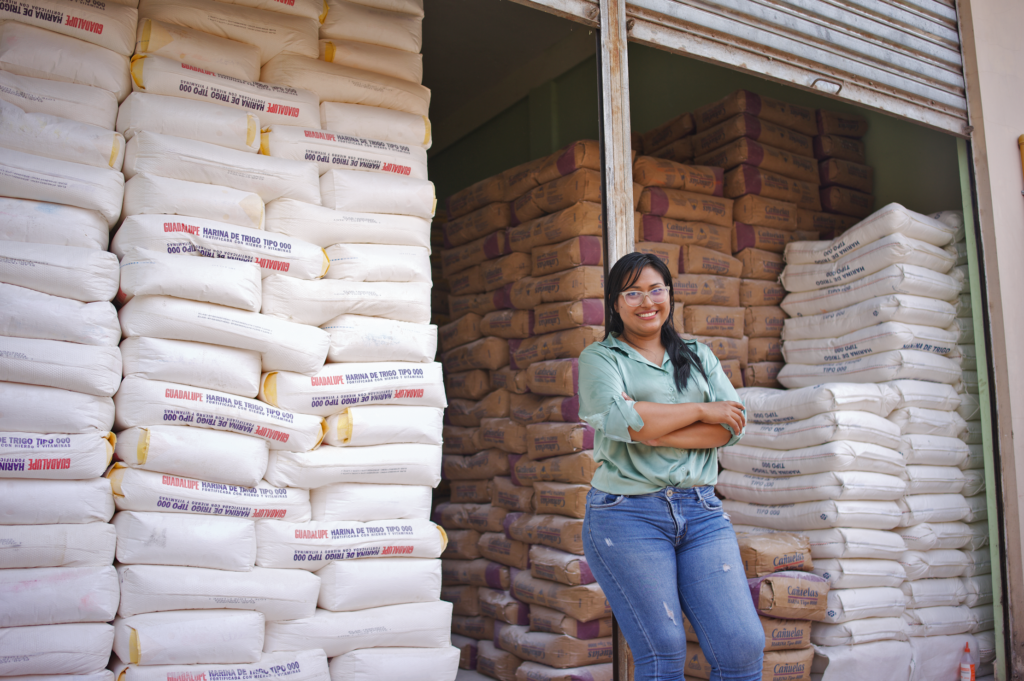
{"type": "Point", "coordinates": [601, 402]}
{"type": "Point", "coordinates": [721, 388]}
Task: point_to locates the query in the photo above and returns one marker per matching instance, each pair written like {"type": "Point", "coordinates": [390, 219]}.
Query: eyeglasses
{"type": "Point", "coordinates": [636, 298]}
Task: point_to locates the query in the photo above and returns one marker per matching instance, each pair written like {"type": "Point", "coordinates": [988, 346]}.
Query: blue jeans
{"type": "Point", "coordinates": [659, 555]}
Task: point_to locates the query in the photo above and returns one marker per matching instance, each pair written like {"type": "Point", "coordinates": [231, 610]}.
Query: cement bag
{"type": "Point", "coordinates": [926, 394]}
{"type": "Point", "coordinates": [934, 593]}
{"type": "Point", "coordinates": [895, 279]}
{"type": "Point", "coordinates": [858, 662]}
{"type": "Point", "coordinates": [931, 450]}
{"type": "Point", "coordinates": [343, 151]}
{"type": "Point", "coordinates": [326, 227]}
{"type": "Point", "coordinates": [82, 274]}
{"type": "Point", "coordinates": [934, 564]}
{"type": "Point", "coordinates": [397, 664]}
{"type": "Point", "coordinates": [859, 573]}
{"type": "Point", "coordinates": [928, 536]}
{"type": "Point", "coordinates": [40, 53]}
{"type": "Point", "coordinates": [141, 402]}
{"type": "Point", "coordinates": [219, 543]}
{"type": "Point", "coordinates": [56, 649]}
{"type": "Point", "coordinates": [398, 464]}
{"type": "Point", "coordinates": [356, 338]}
{"type": "Point", "coordinates": [414, 7]}
{"type": "Point", "coordinates": [208, 52]}
{"type": "Point", "coordinates": [375, 25]}
{"type": "Point", "coordinates": [210, 455]}
{"type": "Point", "coordinates": [380, 425]}
{"type": "Point", "coordinates": [137, 490]}
{"type": "Point", "coordinates": [374, 262]}
{"type": "Point", "coordinates": [904, 309]}
{"type": "Point", "coordinates": [845, 485]}
{"type": "Point", "coordinates": [109, 25]}
{"type": "Point", "coordinates": [375, 123]}
{"type": "Point", "coordinates": [827, 427]}
{"type": "Point", "coordinates": [27, 176]}
{"type": "Point", "coordinates": [347, 585]}
{"type": "Point", "coordinates": [814, 515]}
{"type": "Point", "coordinates": [856, 604]}
{"type": "Point", "coordinates": [890, 250]}
{"type": "Point", "coordinates": [51, 223]}
{"type": "Point", "coordinates": [311, 546]}
{"type": "Point", "coordinates": [304, 665]}
{"type": "Point", "coordinates": [196, 364]}
{"type": "Point", "coordinates": [938, 621]}
{"type": "Point", "coordinates": [768, 405]}
{"type": "Point", "coordinates": [81, 545]}
{"type": "Point", "coordinates": [152, 194]}
{"type": "Point", "coordinates": [885, 366]}
{"type": "Point", "coordinates": [75, 102]}
{"type": "Point", "coordinates": [842, 455]}
{"type": "Point", "coordinates": [413, 625]}
{"type": "Point", "coordinates": [59, 138]}
{"type": "Point", "coordinates": [55, 502]}
{"type": "Point", "coordinates": [38, 409]}
{"type": "Point", "coordinates": [57, 595]}
{"type": "Point", "coordinates": [338, 386]}
{"type": "Point", "coordinates": [848, 542]}
{"type": "Point", "coordinates": [933, 508]}
{"type": "Point", "coordinates": [271, 32]}
{"type": "Point", "coordinates": [278, 594]}
{"type": "Point", "coordinates": [55, 456]}
{"type": "Point", "coordinates": [180, 114]}
{"type": "Point", "coordinates": [859, 632]}
{"type": "Point", "coordinates": [870, 341]}
{"type": "Point", "coordinates": [350, 190]}
{"type": "Point", "coordinates": [934, 480]}
{"type": "Point", "coordinates": [184, 159]}
{"type": "Point", "coordinates": [377, 58]}
{"type": "Point", "coordinates": [284, 345]}
{"type": "Point", "coordinates": [920, 421]}
{"type": "Point", "coordinates": [89, 369]}
{"type": "Point", "coordinates": [365, 502]}
{"type": "Point", "coordinates": [189, 637]}
{"type": "Point", "coordinates": [232, 282]}
{"type": "Point", "coordinates": [318, 302]}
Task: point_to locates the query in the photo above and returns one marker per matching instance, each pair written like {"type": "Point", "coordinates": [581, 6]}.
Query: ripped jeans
{"type": "Point", "coordinates": [660, 555]}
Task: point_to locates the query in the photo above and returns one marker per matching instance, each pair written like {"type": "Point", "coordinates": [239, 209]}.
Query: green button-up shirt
{"type": "Point", "coordinates": [611, 367]}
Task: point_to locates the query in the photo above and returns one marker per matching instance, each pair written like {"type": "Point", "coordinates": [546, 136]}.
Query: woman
{"type": "Point", "coordinates": [655, 535]}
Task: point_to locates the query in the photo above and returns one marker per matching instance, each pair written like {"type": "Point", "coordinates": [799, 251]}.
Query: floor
{"type": "Point", "coordinates": [467, 675]}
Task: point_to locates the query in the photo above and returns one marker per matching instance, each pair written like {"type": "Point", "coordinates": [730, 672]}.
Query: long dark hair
{"type": "Point", "coordinates": [623, 275]}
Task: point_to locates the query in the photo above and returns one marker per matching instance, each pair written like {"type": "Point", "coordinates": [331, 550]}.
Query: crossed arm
{"type": "Point", "coordinates": [687, 425]}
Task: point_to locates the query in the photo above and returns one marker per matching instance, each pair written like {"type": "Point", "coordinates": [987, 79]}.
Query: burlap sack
{"type": "Point", "coordinates": [464, 599]}
{"type": "Point", "coordinates": [512, 380]}
{"type": "Point", "coordinates": [479, 223]}
{"type": "Point", "coordinates": [765, 350]}
{"type": "Point", "coordinates": [462, 544]}
{"type": "Point", "coordinates": [667, 230]}
{"type": "Point", "coordinates": [763, 321]}
{"type": "Point", "coordinates": [454, 260]}
{"type": "Point", "coordinates": [746, 179]}
{"type": "Point", "coordinates": [779, 665]}
{"type": "Point", "coordinates": [657, 172]}
{"type": "Point", "coordinates": [460, 441]}
{"type": "Point", "coordinates": [580, 250]}
{"type": "Point", "coordinates": [477, 628]}
{"type": "Point", "coordinates": [479, 303]}
{"type": "Point", "coordinates": [734, 369]}
{"type": "Point", "coordinates": [576, 469]}
{"type": "Point", "coordinates": [580, 185]}
{"type": "Point", "coordinates": [585, 602]}
{"type": "Point", "coordinates": [506, 494]}
{"type": "Point", "coordinates": [794, 117]}
{"type": "Point", "coordinates": [503, 433]}
{"type": "Point", "coordinates": [479, 466]}
{"type": "Point", "coordinates": [503, 607]}
{"type": "Point", "coordinates": [581, 154]}
{"type": "Point", "coordinates": [557, 345]}
{"type": "Point", "coordinates": [666, 252]}
{"type": "Point", "coordinates": [747, 151]}
{"type": "Point", "coordinates": [766, 238]}
{"type": "Point", "coordinates": [760, 292]}
{"type": "Point", "coordinates": [763, 554]}
{"type": "Point", "coordinates": [555, 622]}
{"type": "Point", "coordinates": [847, 174]}
{"type": "Point", "coordinates": [560, 499]}
{"type": "Point", "coordinates": [762, 375]}
{"type": "Point", "coordinates": [479, 572]}
{"type": "Point", "coordinates": [559, 566]}
{"type": "Point", "coordinates": [485, 353]}
{"type": "Point", "coordinates": [552, 317]}
{"type": "Point", "coordinates": [554, 377]}
{"type": "Point", "coordinates": [680, 151]}
{"type": "Point", "coordinates": [466, 282]}
{"type": "Point", "coordinates": [469, 385]}
{"type": "Point", "coordinates": [724, 348]}
{"type": "Point", "coordinates": [555, 531]}
{"type": "Point", "coordinates": [846, 202]}
{"type": "Point", "coordinates": [575, 284]}
{"type": "Point", "coordinates": [706, 289]}
{"type": "Point", "coordinates": [834, 146]}
{"type": "Point", "coordinates": [544, 440]}
{"type": "Point", "coordinates": [497, 547]}
{"type": "Point", "coordinates": [713, 320]}
{"type": "Point", "coordinates": [465, 329]}
{"type": "Point", "coordinates": [581, 219]}
{"type": "Point", "coordinates": [529, 408]}
{"type": "Point", "coordinates": [700, 260]}
{"type": "Point", "coordinates": [845, 124]}
{"type": "Point", "coordinates": [470, 491]}
{"type": "Point", "coordinates": [683, 205]}
{"type": "Point", "coordinates": [759, 264]}
{"type": "Point", "coordinates": [751, 127]}
{"type": "Point", "coordinates": [677, 128]}
{"type": "Point", "coordinates": [810, 220]}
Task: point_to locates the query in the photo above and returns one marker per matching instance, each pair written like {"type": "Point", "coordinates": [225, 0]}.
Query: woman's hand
{"type": "Point", "coordinates": [724, 413]}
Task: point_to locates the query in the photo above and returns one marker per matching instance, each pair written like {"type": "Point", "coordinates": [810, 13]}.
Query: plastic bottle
{"type": "Point", "coordinates": [966, 664]}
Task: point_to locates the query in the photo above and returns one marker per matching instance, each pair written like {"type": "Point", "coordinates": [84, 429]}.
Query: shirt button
{"type": "Point", "coordinates": [669, 493]}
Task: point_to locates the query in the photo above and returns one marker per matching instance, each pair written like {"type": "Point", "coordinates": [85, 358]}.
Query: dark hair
{"type": "Point", "coordinates": [623, 275]}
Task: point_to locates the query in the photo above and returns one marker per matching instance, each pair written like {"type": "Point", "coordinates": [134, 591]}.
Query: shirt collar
{"type": "Point", "coordinates": [612, 342]}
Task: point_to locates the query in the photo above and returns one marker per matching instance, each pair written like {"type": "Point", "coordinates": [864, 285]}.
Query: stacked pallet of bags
{"type": "Point", "coordinates": [847, 183]}
{"type": "Point", "coordinates": [63, 70]}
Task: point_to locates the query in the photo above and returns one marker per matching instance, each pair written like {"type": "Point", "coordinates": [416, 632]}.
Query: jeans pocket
{"type": "Point", "coordinates": [598, 500]}
{"type": "Point", "coordinates": [711, 503]}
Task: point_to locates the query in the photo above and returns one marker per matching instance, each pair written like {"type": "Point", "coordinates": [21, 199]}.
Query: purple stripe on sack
{"type": "Point", "coordinates": [566, 162]}
{"type": "Point", "coordinates": [502, 298]}
{"type": "Point", "coordinates": [719, 174]}
{"type": "Point", "coordinates": [571, 409]}
{"type": "Point", "coordinates": [492, 575]}
{"type": "Point", "coordinates": [659, 200]}
{"type": "Point", "coordinates": [576, 376]}
{"type": "Point", "coordinates": [524, 615]}
{"type": "Point", "coordinates": [593, 311]}
{"type": "Point", "coordinates": [819, 147]}
{"type": "Point", "coordinates": [588, 438]}
{"type": "Point", "coordinates": [498, 626]}
{"type": "Point", "coordinates": [513, 221]}
{"type": "Point", "coordinates": [510, 518]}
{"type": "Point", "coordinates": [751, 179]}
{"type": "Point", "coordinates": [654, 228]}
{"type": "Point", "coordinates": [744, 236]}
{"type": "Point", "coordinates": [752, 103]}
{"type": "Point", "coordinates": [820, 121]}
{"type": "Point", "coordinates": [823, 174]}
{"type": "Point", "coordinates": [755, 153]}
{"type": "Point", "coordinates": [586, 576]}
{"type": "Point", "coordinates": [753, 125]}
{"type": "Point", "coordinates": [590, 250]}
{"type": "Point", "coordinates": [512, 460]}
{"type": "Point", "coordinates": [581, 675]}
{"type": "Point", "coordinates": [472, 656]}
{"type": "Point", "coordinates": [439, 510]}
{"type": "Point", "coordinates": [587, 630]}
{"type": "Point", "coordinates": [826, 200]}
{"type": "Point", "coordinates": [493, 247]}
{"type": "Point", "coordinates": [530, 324]}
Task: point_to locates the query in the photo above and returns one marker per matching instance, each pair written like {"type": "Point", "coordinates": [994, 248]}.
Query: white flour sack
{"type": "Point", "coordinates": [920, 421]}
{"type": "Point", "coordinates": [39, 53]}
{"type": "Point", "coordinates": [412, 625]}
{"type": "Point", "coordinates": [977, 509]}
{"type": "Point", "coordinates": [278, 594]}
{"type": "Point", "coordinates": [893, 219]}
{"type": "Point", "coordinates": [201, 365]}
{"type": "Point", "coordinates": [397, 664]}
{"type": "Point", "coordinates": [844, 485]}
{"type": "Point", "coordinates": [376, 123]}
{"type": "Point", "coordinates": [311, 9]}
{"type": "Point", "coordinates": [56, 649]}
{"type": "Point", "coordinates": [89, 369]}
{"type": "Point", "coordinates": [39, 409]}
{"type": "Point", "coordinates": [312, 545]}
{"type": "Point", "coordinates": [859, 573]}
{"type": "Point", "coordinates": [84, 545]}
{"type": "Point", "coordinates": [59, 138]}
{"type": "Point", "coordinates": [304, 665]}
{"type": "Point", "coordinates": [57, 595]}
{"type": "Point", "coordinates": [38, 222]}
{"type": "Point", "coordinates": [184, 159]}
{"type": "Point", "coordinates": [75, 102]}
{"type": "Point", "coordinates": [814, 515]}
{"type": "Point", "coordinates": [337, 83]}
{"type": "Point", "coordinates": [325, 226]}
{"type": "Point", "coordinates": [406, 464]}
{"type": "Point", "coordinates": [213, 53]}
{"type": "Point", "coordinates": [934, 564]}
{"type": "Point", "coordinates": [178, 116]}
{"type": "Point", "coordinates": [377, 58]}
{"type": "Point", "coordinates": [932, 450]}
{"type": "Point", "coordinates": [211, 455]}
{"type": "Point", "coordinates": [914, 310]}
{"type": "Point", "coordinates": [138, 490]}
{"type": "Point", "coordinates": [828, 427]}
{"type": "Point", "coordinates": [141, 402]}
{"type": "Point", "coordinates": [943, 620]}
{"type": "Point", "coordinates": [870, 341]}
{"type": "Point", "coordinates": [380, 425]}
{"type": "Point", "coordinates": [849, 542]}
{"type": "Point", "coordinates": [219, 543]}
{"type": "Point", "coordinates": [367, 502]}
{"type": "Point", "coordinates": [284, 345]}
{"type": "Point", "coordinates": [377, 193]}
{"type": "Point", "coordinates": [55, 502]}
{"type": "Point", "coordinates": [271, 32]}
{"type": "Point", "coordinates": [338, 150]}
{"type": "Point", "coordinates": [268, 103]}
{"type": "Point", "coordinates": [108, 25]}
{"type": "Point", "coordinates": [872, 258]}
{"type": "Point", "coordinates": [379, 26]}
{"type": "Point", "coordinates": [372, 582]}
{"type": "Point", "coordinates": [970, 407]}
{"type": "Point", "coordinates": [152, 194]}
{"type": "Point", "coordinates": [885, 366]}
{"type": "Point", "coordinates": [356, 338]}
{"type": "Point", "coordinates": [933, 508]}
{"type": "Point", "coordinates": [189, 637]}
{"type": "Point", "coordinates": [317, 302]}
{"type": "Point", "coordinates": [855, 604]}
{"type": "Point", "coordinates": [231, 282]}
{"type": "Point", "coordinates": [768, 405]}
{"type": "Point", "coordinates": [27, 176]}
{"type": "Point", "coordinates": [338, 386]}
{"type": "Point", "coordinates": [899, 279]}
{"type": "Point", "coordinates": [55, 456]}
{"type": "Point", "coordinates": [374, 262]}
{"type": "Point", "coordinates": [928, 536]}
{"type": "Point", "coordinates": [841, 455]}
{"type": "Point", "coordinates": [925, 394]}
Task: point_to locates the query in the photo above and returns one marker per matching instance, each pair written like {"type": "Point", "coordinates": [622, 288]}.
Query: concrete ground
{"type": "Point", "coordinates": [467, 675]}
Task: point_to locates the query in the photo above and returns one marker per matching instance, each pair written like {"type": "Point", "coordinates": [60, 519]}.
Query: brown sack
{"type": "Point", "coordinates": [581, 219]}
{"type": "Point", "coordinates": [779, 665]}
{"type": "Point", "coordinates": [469, 385]}
{"type": "Point", "coordinates": [847, 174]}
{"type": "Point", "coordinates": [761, 211]}
{"type": "Point", "coordinates": [467, 651]}
{"type": "Point", "coordinates": [809, 235]}
{"type": "Point", "coordinates": [747, 151]}
{"type": "Point", "coordinates": [789, 595]}
{"type": "Point", "coordinates": [506, 494]}
{"type": "Point", "coordinates": [522, 178]}
{"type": "Point", "coordinates": [497, 663]}
{"type": "Point", "coordinates": [563, 567]}
{"type": "Point", "coordinates": [575, 284]}
{"type": "Point", "coordinates": [568, 159]}
{"type": "Point", "coordinates": [464, 412]}
{"type": "Point", "coordinates": [706, 289]}
{"type": "Point", "coordinates": [577, 469]}
{"type": "Point", "coordinates": [558, 345]}
{"type": "Point", "coordinates": [462, 545]}
{"type": "Point", "coordinates": [764, 554]}
{"type": "Point", "coordinates": [723, 348]}
{"type": "Point", "coordinates": [497, 547]}
{"type": "Point", "coordinates": [466, 283]}
{"type": "Point", "coordinates": [658, 172]}
{"type": "Point", "coordinates": [454, 260]}
{"type": "Point", "coordinates": [460, 413]}
{"type": "Point", "coordinates": [479, 466]}
{"type": "Point", "coordinates": [713, 320]}
{"type": "Point", "coordinates": [464, 599]}
{"type": "Point", "coordinates": [555, 622]}
{"type": "Point", "coordinates": [845, 124]}
{"type": "Point", "coordinates": [733, 369]}
{"type": "Point", "coordinates": [763, 321]}
{"type": "Point", "coordinates": [762, 375]}
{"type": "Point", "coordinates": [552, 258]}
{"type": "Point", "coordinates": [834, 146]}
{"type": "Point", "coordinates": [476, 196]}
{"type": "Point", "coordinates": [700, 260]}
{"type": "Point", "coordinates": [509, 379]}
{"type": "Point", "coordinates": [778, 634]}
{"type": "Point", "coordinates": [683, 205]}
{"type": "Point", "coordinates": [479, 223]}
{"type": "Point", "coordinates": [486, 518]}
{"type": "Point", "coordinates": [760, 292]}
{"type": "Point", "coordinates": [501, 606]}
{"type": "Point", "coordinates": [680, 151]}
{"type": "Point", "coordinates": [460, 441]}
{"type": "Point", "coordinates": [825, 222]}
{"type": "Point", "coordinates": [479, 572]}
{"type": "Point", "coordinates": [765, 350]}
{"type": "Point", "coordinates": [477, 628]}
{"type": "Point", "coordinates": [745, 125]}
{"type": "Point", "coordinates": [765, 238]}
{"type": "Point", "coordinates": [486, 353]}
{"type": "Point", "coordinates": [847, 202]}
{"type": "Point", "coordinates": [465, 329]}
{"type": "Point", "coordinates": [479, 303]}
{"type": "Point", "coordinates": [794, 117]}
{"type": "Point", "coordinates": [668, 132]}
{"type": "Point", "coordinates": [504, 270]}
{"type": "Point", "coordinates": [667, 253]}
{"type": "Point", "coordinates": [554, 650]}
{"type": "Point", "coordinates": [529, 408]}
{"type": "Point", "coordinates": [554, 377]}
{"type": "Point", "coordinates": [750, 180]}
{"type": "Point", "coordinates": [544, 440]}
{"type": "Point", "coordinates": [558, 498]}
{"type": "Point", "coordinates": [667, 230]}
{"type": "Point", "coordinates": [585, 603]}
{"type": "Point", "coordinates": [551, 317]}
{"type": "Point", "coordinates": [504, 434]}
{"type": "Point", "coordinates": [508, 324]}
{"type": "Point", "coordinates": [759, 264]}
{"type": "Point", "coordinates": [580, 185]}
{"type": "Point", "coordinates": [470, 491]}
